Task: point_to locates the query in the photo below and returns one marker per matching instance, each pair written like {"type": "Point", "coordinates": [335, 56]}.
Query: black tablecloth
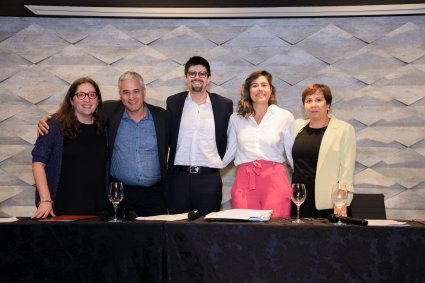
{"type": "Point", "coordinates": [200, 251]}
{"type": "Point", "coordinates": [82, 251]}
{"type": "Point", "coordinates": [280, 251]}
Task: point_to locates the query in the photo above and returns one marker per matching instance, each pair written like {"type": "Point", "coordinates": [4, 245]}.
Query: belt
{"type": "Point", "coordinates": [195, 169]}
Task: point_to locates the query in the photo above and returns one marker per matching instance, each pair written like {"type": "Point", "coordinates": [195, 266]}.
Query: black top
{"type": "Point", "coordinates": [305, 153]}
{"type": "Point", "coordinates": [82, 182]}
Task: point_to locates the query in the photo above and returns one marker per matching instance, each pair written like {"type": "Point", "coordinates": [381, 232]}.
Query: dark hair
{"type": "Point", "coordinates": [245, 107]}
{"type": "Point", "coordinates": [66, 114]}
{"type": "Point", "coordinates": [197, 60]}
{"type": "Point", "coordinates": [311, 89]}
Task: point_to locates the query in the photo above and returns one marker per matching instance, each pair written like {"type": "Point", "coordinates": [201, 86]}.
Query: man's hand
{"type": "Point", "coordinates": [42, 127]}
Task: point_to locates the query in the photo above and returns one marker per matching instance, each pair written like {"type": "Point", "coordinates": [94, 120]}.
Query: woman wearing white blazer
{"type": "Point", "coordinates": [324, 153]}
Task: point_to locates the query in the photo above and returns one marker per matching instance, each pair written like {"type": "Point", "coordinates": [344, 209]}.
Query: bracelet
{"type": "Point", "coordinates": [47, 200]}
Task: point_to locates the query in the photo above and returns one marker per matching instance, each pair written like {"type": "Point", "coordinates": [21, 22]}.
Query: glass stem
{"type": "Point", "coordinates": [298, 212]}
{"type": "Point", "coordinates": [115, 212]}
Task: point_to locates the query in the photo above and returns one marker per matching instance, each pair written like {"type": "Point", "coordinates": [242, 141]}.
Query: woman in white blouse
{"type": "Point", "coordinates": [259, 134]}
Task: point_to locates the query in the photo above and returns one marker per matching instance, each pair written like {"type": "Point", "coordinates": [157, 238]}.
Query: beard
{"type": "Point", "coordinates": [197, 88]}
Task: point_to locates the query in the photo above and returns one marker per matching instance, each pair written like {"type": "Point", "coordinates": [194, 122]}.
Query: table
{"type": "Point", "coordinates": [280, 251]}
{"type": "Point", "coordinates": [200, 251]}
{"type": "Point", "coordinates": [81, 251]}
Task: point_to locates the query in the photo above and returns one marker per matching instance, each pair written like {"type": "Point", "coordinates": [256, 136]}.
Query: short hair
{"type": "Point", "coordinates": [245, 107]}
{"type": "Point", "coordinates": [129, 75]}
{"type": "Point", "coordinates": [197, 60]}
{"type": "Point", "coordinates": [313, 88]}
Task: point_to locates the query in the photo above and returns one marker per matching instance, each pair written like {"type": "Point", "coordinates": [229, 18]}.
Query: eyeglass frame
{"type": "Point", "coordinates": [201, 74]}
{"type": "Point", "coordinates": [86, 94]}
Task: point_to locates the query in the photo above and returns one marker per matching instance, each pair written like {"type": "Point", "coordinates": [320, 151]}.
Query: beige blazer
{"type": "Point", "coordinates": [337, 159]}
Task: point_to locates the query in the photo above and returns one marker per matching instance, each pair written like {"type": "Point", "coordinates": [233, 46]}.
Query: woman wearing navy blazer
{"type": "Point", "coordinates": [324, 153]}
{"type": "Point", "coordinates": [69, 164]}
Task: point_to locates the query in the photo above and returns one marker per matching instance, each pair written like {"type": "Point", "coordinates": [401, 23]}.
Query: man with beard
{"type": "Point", "coordinates": [198, 140]}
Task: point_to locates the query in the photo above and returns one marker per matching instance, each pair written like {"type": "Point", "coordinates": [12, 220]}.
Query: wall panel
{"type": "Point", "coordinates": [374, 65]}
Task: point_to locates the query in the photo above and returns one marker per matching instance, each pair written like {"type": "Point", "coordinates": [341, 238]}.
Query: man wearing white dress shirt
{"type": "Point", "coordinates": [198, 140]}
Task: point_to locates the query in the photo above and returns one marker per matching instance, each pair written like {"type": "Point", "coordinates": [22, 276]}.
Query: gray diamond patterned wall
{"type": "Point", "coordinates": [375, 66]}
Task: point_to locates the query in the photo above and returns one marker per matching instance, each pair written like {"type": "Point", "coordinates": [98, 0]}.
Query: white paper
{"type": "Point", "coordinates": [165, 217]}
{"type": "Point", "coordinates": [241, 214]}
{"type": "Point", "coordinates": [375, 222]}
{"type": "Point", "coordinates": [8, 219]}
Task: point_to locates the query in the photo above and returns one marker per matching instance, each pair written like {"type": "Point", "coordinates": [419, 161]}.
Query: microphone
{"type": "Point", "coordinates": [348, 220]}
{"type": "Point", "coordinates": [130, 215]}
{"type": "Point", "coordinates": [193, 215]}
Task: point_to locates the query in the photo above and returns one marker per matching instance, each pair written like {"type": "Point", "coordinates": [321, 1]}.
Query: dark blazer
{"type": "Point", "coordinates": [115, 109]}
{"type": "Point", "coordinates": [222, 109]}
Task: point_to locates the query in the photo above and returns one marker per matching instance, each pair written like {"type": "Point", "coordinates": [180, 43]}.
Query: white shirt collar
{"type": "Point", "coordinates": [189, 98]}
{"type": "Point", "coordinates": [271, 109]}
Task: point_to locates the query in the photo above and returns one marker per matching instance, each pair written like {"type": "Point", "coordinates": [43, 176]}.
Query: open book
{"type": "Point", "coordinates": [240, 214]}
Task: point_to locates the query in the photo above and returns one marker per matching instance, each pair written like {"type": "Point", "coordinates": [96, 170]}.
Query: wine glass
{"type": "Point", "coordinates": [340, 195]}
{"type": "Point", "coordinates": [298, 197]}
{"type": "Point", "coordinates": [115, 194]}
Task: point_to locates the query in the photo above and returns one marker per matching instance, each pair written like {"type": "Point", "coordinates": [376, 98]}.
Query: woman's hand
{"type": "Point", "coordinates": [43, 210]}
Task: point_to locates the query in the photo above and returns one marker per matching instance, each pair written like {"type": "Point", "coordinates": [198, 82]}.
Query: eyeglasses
{"type": "Point", "coordinates": [201, 74]}
{"type": "Point", "coordinates": [82, 95]}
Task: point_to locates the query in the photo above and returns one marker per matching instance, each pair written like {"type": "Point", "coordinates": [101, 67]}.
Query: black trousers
{"type": "Point", "coordinates": [144, 201]}
{"type": "Point", "coordinates": [190, 192]}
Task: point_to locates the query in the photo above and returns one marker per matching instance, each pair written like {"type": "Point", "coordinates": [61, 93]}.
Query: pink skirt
{"type": "Point", "coordinates": [262, 184]}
